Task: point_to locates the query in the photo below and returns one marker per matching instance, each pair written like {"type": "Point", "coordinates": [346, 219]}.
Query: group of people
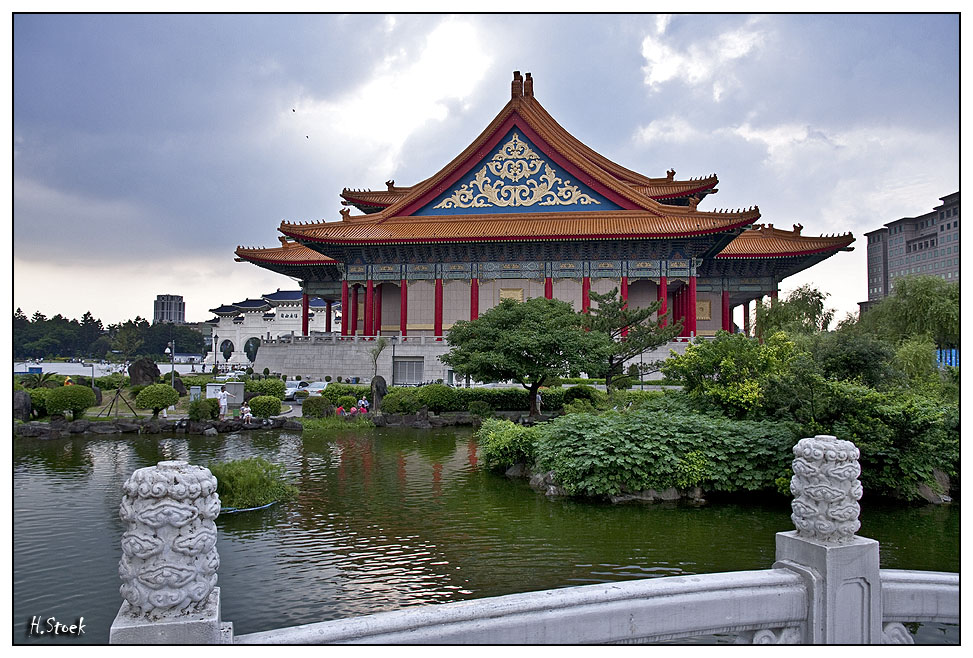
{"type": "Point", "coordinates": [361, 407]}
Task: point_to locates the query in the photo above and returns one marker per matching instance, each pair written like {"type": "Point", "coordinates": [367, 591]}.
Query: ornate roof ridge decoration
{"type": "Point", "coordinates": [766, 241]}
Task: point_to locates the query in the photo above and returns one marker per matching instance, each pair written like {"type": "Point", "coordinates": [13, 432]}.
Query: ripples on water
{"type": "Point", "coordinates": [386, 520]}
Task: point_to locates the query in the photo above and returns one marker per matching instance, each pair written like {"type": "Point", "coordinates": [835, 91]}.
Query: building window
{"type": "Point", "coordinates": [407, 370]}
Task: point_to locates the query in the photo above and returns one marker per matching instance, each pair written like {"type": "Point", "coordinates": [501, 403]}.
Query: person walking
{"type": "Point", "coordinates": [222, 397]}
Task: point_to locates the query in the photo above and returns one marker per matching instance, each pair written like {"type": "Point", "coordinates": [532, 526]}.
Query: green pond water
{"type": "Point", "coordinates": [388, 519]}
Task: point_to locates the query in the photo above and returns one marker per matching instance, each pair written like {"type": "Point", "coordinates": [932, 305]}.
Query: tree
{"type": "Point", "coordinates": [156, 397]}
{"type": "Point", "coordinates": [802, 312]}
{"type": "Point", "coordinates": [530, 342]}
{"type": "Point", "coordinates": [918, 305]}
{"type": "Point", "coordinates": [631, 331]}
{"type": "Point", "coordinates": [731, 370]}
{"type": "Point", "coordinates": [127, 339]}
{"type": "Point", "coordinates": [376, 352]}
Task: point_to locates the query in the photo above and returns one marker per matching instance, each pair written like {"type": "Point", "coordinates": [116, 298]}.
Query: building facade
{"type": "Point", "coordinates": [927, 245]}
{"type": "Point", "coordinates": [239, 329]}
{"type": "Point", "coordinates": [527, 210]}
{"type": "Point", "coordinates": [169, 308]}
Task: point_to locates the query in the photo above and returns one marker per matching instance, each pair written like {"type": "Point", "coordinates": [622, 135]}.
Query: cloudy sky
{"type": "Point", "coordinates": [146, 148]}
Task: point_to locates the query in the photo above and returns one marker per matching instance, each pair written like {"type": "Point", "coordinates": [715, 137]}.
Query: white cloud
{"type": "Point", "coordinates": [670, 129]}
{"type": "Point", "coordinates": [705, 63]}
{"type": "Point", "coordinates": [376, 117]}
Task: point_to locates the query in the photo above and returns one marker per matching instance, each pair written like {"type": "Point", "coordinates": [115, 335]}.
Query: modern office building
{"type": "Point", "coordinates": [927, 244]}
{"type": "Point", "coordinates": [169, 308]}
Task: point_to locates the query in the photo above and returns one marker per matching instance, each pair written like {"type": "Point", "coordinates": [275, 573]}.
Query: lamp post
{"type": "Point", "coordinates": [172, 351]}
{"type": "Point", "coordinates": [215, 343]}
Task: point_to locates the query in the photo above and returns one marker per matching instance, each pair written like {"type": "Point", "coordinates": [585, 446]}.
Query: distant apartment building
{"type": "Point", "coordinates": [169, 308]}
{"type": "Point", "coordinates": [927, 244]}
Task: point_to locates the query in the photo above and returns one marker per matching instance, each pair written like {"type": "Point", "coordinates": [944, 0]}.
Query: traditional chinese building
{"type": "Point", "coordinates": [528, 210]}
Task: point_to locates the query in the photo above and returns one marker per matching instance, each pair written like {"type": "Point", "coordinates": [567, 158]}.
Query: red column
{"type": "Point", "coordinates": [327, 319]}
{"type": "Point", "coordinates": [305, 305]}
{"type": "Point", "coordinates": [585, 294]}
{"type": "Point", "coordinates": [344, 308]}
{"type": "Point", "coordinates": [403, 306]}
{"type": "Point", "coordinates": [625, 299]}
{"type": "Point", "coordinates": [662, 292]}
{"type": "Point", "coordinates": [438, 317]}
{"type": "Point", "coordinates": [681, 309]}
{"type": "Point", "coordinates": [548, 288]}
{"type": "Point", "coordinates": [474, 298]}
{"type": "Point", "coordinates": [378, 310]}
{"type": "Point", "coordinates": [727, 319]}
{"type": "Point", "coordinates": [354, 309]}
{"type": "Point", "coordinates": [691, 306]}
{"type": "Point", "coordinates": [367, 330]}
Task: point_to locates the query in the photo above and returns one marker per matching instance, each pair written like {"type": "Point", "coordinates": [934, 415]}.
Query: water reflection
{"type": "Point", "coordinates": [388, 519]}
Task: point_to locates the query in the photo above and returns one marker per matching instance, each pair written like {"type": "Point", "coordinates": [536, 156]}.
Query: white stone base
{"type": "Point", "coordinates": [201, 626]}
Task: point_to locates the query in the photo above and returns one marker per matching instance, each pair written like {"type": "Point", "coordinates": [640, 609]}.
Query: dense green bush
{"type": "Point", "coordinates": [204, 409]}
{"type": "Point", "coordinates": [38, 400]}
{"type": "Point", "coordinates": [156, 397]}
{"type": "Point", "coordinates": [274, 387]}
{"type": "Point", "coordinates": [251, 483]}
{"type": "Point", "coordinates": [335, 391]}
{"type": "Point", "coordinates": [583, 392]}
{"type": "Point", "coordinates": [76, 399]}
{"type": "Point", "coordinates": [438, 397]}
{"type": "Point", "coordinates": [503, 443]}
{"type": "Point", "coordinates": [265, 406]}
{"type": "Point", "coordinates": [196, 380]}
{"type": "Point", "coordinates": [317, 407]}
{"type": "Point", "coordinates": [481, 409]}
{"type": "Point", "coordinates": [301, 395]}
{"type": "Point", "coordinates": [401, 401]}
{"type": "Point", "coordinates": [112, 382]}
{"type": "Point", "coordinates": [613, 452]}
{"type": "Point", "coordinates": [347, 401]}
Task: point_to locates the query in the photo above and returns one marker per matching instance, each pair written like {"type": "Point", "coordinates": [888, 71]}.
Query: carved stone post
{"type": "Point", "coordinates": [841, 570]}
{"type": "Point", "coordinates": [169, 559]}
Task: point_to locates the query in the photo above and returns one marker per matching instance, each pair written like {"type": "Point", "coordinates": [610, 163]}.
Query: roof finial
{"type": "Point", "coordinates": [390, 184]}
{"type": "Point", "coordinates": [345, 214]}
{"type": "Point", "coordinates": [797, 228]}
{"type": "Point", "coordinates": [517, 86]}
{"type": "Point", "coordinates": [671, 174]}
{"type": "Point", "coordinates": [528, 86]}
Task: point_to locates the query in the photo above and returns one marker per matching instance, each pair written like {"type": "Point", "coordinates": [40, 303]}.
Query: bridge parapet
{"type": "Point", "coordinates": [824, 588]}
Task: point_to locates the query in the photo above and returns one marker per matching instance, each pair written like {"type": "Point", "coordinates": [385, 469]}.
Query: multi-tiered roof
{"type": "Point", "coordinates": [527, 179]}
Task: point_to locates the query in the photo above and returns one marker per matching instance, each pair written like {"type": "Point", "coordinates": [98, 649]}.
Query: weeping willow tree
{"type": "Point", "coordinates": [918, 305]}
{"type": "Point", "coordinates": [802, 312]}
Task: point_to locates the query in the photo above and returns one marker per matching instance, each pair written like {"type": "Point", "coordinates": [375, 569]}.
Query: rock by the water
{"type": "Point", "coordinates": [210, 431]}
{"type": "Point", "coordinates": [379, 389]}
{"type": "Point", "coordinates": [22, 407]}
{"type": "Point", "coordinates": [143, 372]}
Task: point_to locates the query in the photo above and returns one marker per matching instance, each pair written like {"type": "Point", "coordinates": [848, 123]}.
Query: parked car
{"type": "Point", "coordinates": [316, 388]}
{"type": "Point", "coordinates": [292, 387]}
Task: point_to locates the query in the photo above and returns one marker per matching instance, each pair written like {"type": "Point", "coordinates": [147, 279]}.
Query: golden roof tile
{"type": "Point", "coordinates": [290, 253]}
{"type": "Point", "coordinates": [765, 241]}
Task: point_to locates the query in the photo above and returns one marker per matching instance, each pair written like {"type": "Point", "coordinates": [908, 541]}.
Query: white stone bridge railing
{"type": "Point", "coordinates": [825, 586]}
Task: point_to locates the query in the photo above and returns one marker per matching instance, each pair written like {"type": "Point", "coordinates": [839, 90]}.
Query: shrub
{"type": "Point", "coordinates": [323, 427]}
{"type": "Point", "coordinates": [614, 452]}
{"type": "Point", "coordinates": [481, 409]}
{"type": "Point", "coordinates": [438, 397]}
{"type": "Point", "coordinates": [251, 483]}
{"type": "Point", "coordinates": [327, 378]}
{"type": "Point", "coordinates": [317, 407]}
{"type": "Point", "coordinates": [76, 399]}
{"type": "Point", "coordinates": [113, 381]}
{"type": "Point", "coordinates": [265, 406]}
{"type": "Point", "coordinates": [335, 391]}
{"type": "Point", "coordinates": [504, 443]}
{"type": "Point", "coordinates": [249, 371]}
{"type": "Point", "coordinates": [584, 392]}
{"type": "Point", "coordinates": [38, 400]}
{"type": "Point", "coordinates": [196, 380]}
{"type": "Point", "coordinates": [156, 397]}
{"type": "Point", "coordinates": [204, 409]}
{"type": "Point", "coordinates": [552, 398]}
{"type": "Point", "coordinates": [301, 395]}
{"type": "Point", "coordinates": [266, 371]}
{"type": "Point", "coordinates": [274, 387]}
{"type": "Point", "coordinates": [347, 401]}
{"type": "Point", "coordinates": [135, 390]}
{"type": "Point", "coordinates": [298, 378]}
{"type": "Point", "coordinates": [401, 401]}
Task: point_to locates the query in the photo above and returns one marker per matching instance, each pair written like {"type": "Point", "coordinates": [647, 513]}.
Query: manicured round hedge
{"type": "Point", "coordinates": [156, 397]}
{"type": "Point", "coordinates": [265, 406]}
{"type": "Point", "coordinates": [76, 399]}
{"type": "Point", "coordinates": [317, 407]}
